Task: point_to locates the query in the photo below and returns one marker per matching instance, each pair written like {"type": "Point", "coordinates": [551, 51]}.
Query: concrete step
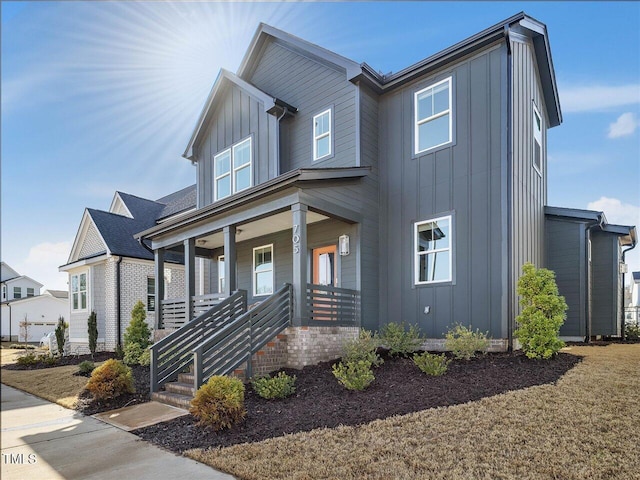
{"type": "Point", "coordinates": [180, 387]}
{"type": "Point", "coordinates": [175, 399]}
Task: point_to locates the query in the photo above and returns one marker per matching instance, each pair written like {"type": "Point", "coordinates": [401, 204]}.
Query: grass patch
{"type": "Point", "coordinates": [57, 384]}
{"type": "Point", "coordinates": [586, 426]}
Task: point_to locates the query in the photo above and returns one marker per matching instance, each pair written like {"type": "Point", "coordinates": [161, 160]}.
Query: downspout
{"type": "Point", "coordinates": [118, 304]}
{"type": "Point", "coordinates": [510, 306]}
{"type": "Point", "coordinates": [622, 322]}
{"type": "Point", "coordinates": [587, 233]}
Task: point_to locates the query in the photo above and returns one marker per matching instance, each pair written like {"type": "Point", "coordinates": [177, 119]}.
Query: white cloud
{"type": "Point", "coordinates": [625, 125]}
{"type": "Point", "coordinates": [597, 97]}
{"type": "Point", "coordinates": [42, 264]}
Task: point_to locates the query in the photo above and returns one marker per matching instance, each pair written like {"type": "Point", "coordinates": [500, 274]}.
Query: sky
{"type": "Point", "coordinates": [103, 96]}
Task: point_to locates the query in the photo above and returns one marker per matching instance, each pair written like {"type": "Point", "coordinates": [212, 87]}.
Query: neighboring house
{"type": "Point", "coordinates": [109, 271]}
{"type": "Point", "coordinates": [635, 289]}
{"type": "Point", "coordinates": [41, 313]}
{"type": "Point", "coordinates": [16, 286]}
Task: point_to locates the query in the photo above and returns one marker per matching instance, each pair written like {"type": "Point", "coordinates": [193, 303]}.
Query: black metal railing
{"type": "Point", "coordinates": [333, 306]}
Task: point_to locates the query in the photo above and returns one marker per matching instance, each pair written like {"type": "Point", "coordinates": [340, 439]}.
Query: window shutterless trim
{"type": "Point", "coordinates": [537, 139]}
{"type": "Point", "coordinates": [86, 292]}
{"type": "Point", "coordinates": [417, 255]}
{"type": "Point", "coordinates": [227, 174]}
{"type": "Point", "coordinates": [418, 121]}
{"type": "Point", "coordinates": [328, 134]}
{"type": "Point", "coordinates": [231, 173]}
{"type": "Point", "coordinates": [273, 264]}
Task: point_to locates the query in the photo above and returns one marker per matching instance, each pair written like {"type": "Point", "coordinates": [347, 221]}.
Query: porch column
{"type": "Point", "coordinates": [299, 239]}
{"type": "Point", "coordinates": [159, 284]}
{"type": "Point", "coordinates": [230, 281]}
{"type": "Point", "coordinates": [189, 275]}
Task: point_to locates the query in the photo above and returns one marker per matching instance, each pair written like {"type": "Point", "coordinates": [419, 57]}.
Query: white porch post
{"type": "Point", "coordinates": [299, 239]}
{"type": "Point", "coordinates": [159, 284]}
{"type": "Point", "coordinates": [189, 275]}
{"type": "Point", "coordinates": [230, 281]}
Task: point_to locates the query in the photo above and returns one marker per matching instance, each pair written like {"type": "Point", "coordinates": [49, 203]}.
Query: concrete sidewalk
{"type": "Point", "coordinates": [44, 441]}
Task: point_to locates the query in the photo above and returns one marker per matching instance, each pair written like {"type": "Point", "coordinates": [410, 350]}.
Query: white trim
{"type": "Point", "coordinates": [233, 188]}
{"type": "Point", "coordinates": [221, 274]}
{"type": "Point", "coordinates": [417, 255]}
{"type": "Point", "coordinates": [253, 271]}
{"type": "Point", "coordinates": [226, 151]}
{"type": "Point", "coordinates": [117, 199]}
{"type": "Point", "coordinates": [86, 291]}
{"type": "Point", "coordinates": [85, 262]}
{"type": "Point", "coordinates": [421, 121]}
{"type": "Point", "coordinates": [328, 134]}
{"type": "Point", "coordinates": [537, 139]}
{"type": "Point", "coordinates": [155, 296]}
{"type": "Point", "coordinates": [81, 235]}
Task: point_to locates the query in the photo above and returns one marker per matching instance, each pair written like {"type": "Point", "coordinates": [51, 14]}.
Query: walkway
{"type": "Point", "coordinates": [42, 440]}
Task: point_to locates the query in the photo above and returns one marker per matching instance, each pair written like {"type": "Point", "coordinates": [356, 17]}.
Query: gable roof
{"type": "Point", "coordinates": [178, 202]}
{"type": "Point", "coordinates": [7, 272]}
{"type": "Point", "coordinates": [58, 293]}
{"type": "Point", "coordinates": [118, 231]}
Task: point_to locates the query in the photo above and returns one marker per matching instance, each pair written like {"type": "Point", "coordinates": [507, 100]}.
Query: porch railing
{"type": "Point", "coordinates": [236, 341]}
{"type": "Point", "coordinates": [174, 309]}
{"type": "Point", "coordinates": [333, 306]}
{"type": "Point", "coordinates": [171, 355]}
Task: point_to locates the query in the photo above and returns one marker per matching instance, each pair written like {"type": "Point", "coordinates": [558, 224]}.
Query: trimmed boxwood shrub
{"type": "Point", "coordinates": [219, 403]}
{"type": "Point", "coordinates": [110, 380]}
{"type": "Point", "coordinates": [400, 340]}
{"type": "Point", "coordinates": [464, 343]}
{"type": "Point", "coordinates": [362, 348]}
{"type": "Point", "coordinates": [431, 364]}
{"type": "Point", "coordinates": [278, 386]}
{"type": "Point", "coordinates": [354, 375]}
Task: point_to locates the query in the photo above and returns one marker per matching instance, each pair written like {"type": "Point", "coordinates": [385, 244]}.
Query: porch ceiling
{"type": "Point", "coordinates": [258, 228]}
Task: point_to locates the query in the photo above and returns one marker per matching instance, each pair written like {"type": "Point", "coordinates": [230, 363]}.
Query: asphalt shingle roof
{"type": "Point", "coordinates": [178, 202]}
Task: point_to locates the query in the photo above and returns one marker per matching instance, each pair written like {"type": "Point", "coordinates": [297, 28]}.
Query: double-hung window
{"type": "Point", "coordinates": [151, 294]}
{"type": "Point", "coordinates": [263, 270]}
{"type": "Point", "coordinates": [322, 135]}
{"type": "Point", "coordinates": [79, 291]}
{"type": "Point", "coordinates": [433, 244]}
{"type": "Point", "coordinates": [232, 169]}
{"type": "Point", "coordinates": [221, 275]}
{"type": "Point", "coordinates": [537, 140]}
{"type": "Point", "coordinates": [433, 116]}
{"type": "Point", "coordinates": [31, 292]}
{"type": "Point", "coordinates": [17, 292]}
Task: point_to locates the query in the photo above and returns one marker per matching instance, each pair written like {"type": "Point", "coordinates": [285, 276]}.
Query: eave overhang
{"type": "Point", "coordinates": [298, 177]}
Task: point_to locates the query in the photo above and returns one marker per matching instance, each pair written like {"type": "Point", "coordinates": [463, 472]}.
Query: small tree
{"type": "Point", "coordinates": [61, 329]}
{"type": "Point", "coordinates": [138, 331]}
{"type": "Point", "coordinates": [543, 313]}
{"type": "Point", "coordinates": [25, 326]}
{"type": "Point", "coordinates": [92, 324]}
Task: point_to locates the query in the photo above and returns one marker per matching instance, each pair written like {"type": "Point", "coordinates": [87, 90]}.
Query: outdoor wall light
{"type": "Point", "coordinates": [343, 242]}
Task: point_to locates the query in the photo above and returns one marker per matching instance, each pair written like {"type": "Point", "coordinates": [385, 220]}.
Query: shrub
{"type": "Point", "coordinates": [219, 403]}
{"type": "Point", "coordinates": [92, 327]}
{"type": "Point", "coordinates": [28, 359]}
{"type": "Point", "coordinates": [110, 380]}
{"type": "Point", "coordinates": [86, 367]}
{"type": "Point", "coordinates": [464, 343]}
{"type": "Point", "coordinates": [632, 332]}
{"type": "Point", "coordinates": [138, 331]}
{"type": "Point", "coordinates": [362, 348]}
{"type": "Point", "coordinates": [48, 360]}
{"type": "Point", "coordinates": [399, 340]}
{"type": "Point", "coordinates": [354, 375]}
{"type": "Point", "coordinates": [61, 329]}
{"type": "Point", "coordinates": [119, 352]}
{"type": "Point", "coordinates": [133, 353]}
{"type": "Point", "coordinates": [278, 386]}
{"type": "Point", "coordinates": [543, 313]}
{"type": "Point", "coordinates": [145, 358]}
{"type": "Point", "coordinates": [431, 364]}
{"type": "Point", "coordinates": [21, 346]}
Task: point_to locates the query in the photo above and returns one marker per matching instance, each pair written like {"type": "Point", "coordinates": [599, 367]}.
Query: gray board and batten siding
{"type": "Point", "coordinates": [606, 285]}
{"type": "Point", "coordinates": [465, 180]}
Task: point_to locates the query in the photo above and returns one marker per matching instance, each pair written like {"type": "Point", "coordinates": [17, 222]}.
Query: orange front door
{"type": "Point", "coordinates": [324, 266]}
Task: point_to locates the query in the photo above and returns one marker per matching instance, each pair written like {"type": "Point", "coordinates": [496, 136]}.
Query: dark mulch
{"type": "Point", "coordinates": [399, 388]}
{"type": "Point", "coordinates": [90, 406]}
{"type": "Point", "coordinates": [63, 361]}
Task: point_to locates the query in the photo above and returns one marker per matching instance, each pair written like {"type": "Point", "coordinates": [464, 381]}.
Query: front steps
{"type": "Point", "coordinates": [179, 394]}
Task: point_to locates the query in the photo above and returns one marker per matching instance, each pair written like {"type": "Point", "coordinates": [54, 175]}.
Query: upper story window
{"type": "Point", "coordinates": [537, 140]}
{"type": "Point", "coordinates": [30, 292]}
{"type": "Point", "coordinates": [263, 270]}
{"type": "Point", "coordinates": [79, 291]}
{"type": "Point", "coordinates": [4, 292]}
{"type": "Point", "coordinates": [322, 135]}
{"type": "Point", "coordinates": [433, 259]}
{"type": "Point", "coordinates": [232, 169]}
{"type": "Point", "coordinates": [151, 294]}
{"type": "Point", "coordinates": [433, 116]}
{"type": "Point", "coordinates": [17, 292]}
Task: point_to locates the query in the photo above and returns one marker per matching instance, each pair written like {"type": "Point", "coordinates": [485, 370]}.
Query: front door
{"type": "Point", "coordinates": [324, 266]}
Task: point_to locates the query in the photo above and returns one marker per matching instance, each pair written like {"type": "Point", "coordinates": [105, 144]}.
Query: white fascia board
{"type": "Point", "coordinates": [81, 263]}
{"type": "Point", "coordinates": [80, 236]}
{"type": "Point", "coordinates": [117, 201]}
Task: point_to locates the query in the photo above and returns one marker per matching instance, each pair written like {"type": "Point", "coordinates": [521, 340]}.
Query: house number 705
{"type": "Point", "coordinates": [296, 239]}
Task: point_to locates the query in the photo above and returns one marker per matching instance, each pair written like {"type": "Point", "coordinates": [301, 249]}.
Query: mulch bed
{"type": "Point", "coordinates": [399, 388]}
{"type": "Point", "coordinates": [63, 361]}
{"type": "Point", "coordinates": [90, 406]}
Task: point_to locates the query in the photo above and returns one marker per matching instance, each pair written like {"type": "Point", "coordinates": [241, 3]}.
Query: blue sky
{"type": "Point", "coordinates": [103, 96]}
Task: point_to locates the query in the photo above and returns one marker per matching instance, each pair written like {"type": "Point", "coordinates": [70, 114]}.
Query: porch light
{"type": "Point", "coordinates": [343, 242]}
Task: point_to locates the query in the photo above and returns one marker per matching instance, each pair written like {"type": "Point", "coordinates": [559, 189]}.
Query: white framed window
{"type": "Point", "coordinates": [322, 135]}
{"type": "Point", "coordinates": [433, 251]}
{"type": "Point", "coordinates": [221, 283]}
{"type": "Point", "coordinates": [263, 270]}
{"type": "Point", "coordinates": [4, 292]}
{"type": "Point", "coordinates": [79, 291]}
{"type": "Point", "coordinates": [233, 169]}
{"type": "Point", "coordinates": [537, 140]}
{"type": "Point", "coordinates": [17, 292]}
{"type": "Point", "coordinates": [433, 116]}
{"type": "Point", "coordinates": [30, 292]}
{"type": "Point", "coordinates": [151, 294]}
